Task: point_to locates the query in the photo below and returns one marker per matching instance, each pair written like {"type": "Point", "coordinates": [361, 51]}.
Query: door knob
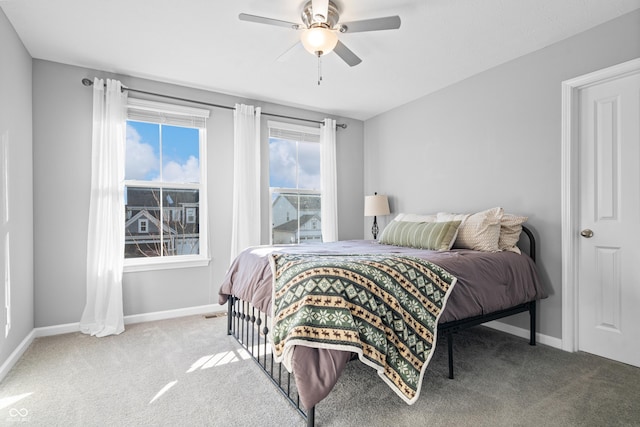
{"type": "Point", "coordinates": [586, 233]}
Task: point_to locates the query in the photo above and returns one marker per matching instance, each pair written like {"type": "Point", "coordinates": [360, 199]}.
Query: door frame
{"type": "Point", "coordinates": [570, 209]}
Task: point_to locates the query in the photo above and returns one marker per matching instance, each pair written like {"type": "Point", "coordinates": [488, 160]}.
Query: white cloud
{"type": "Point", "coordinates": [187, 172]}
{"type": "Point", "coordinates": [285, 162]}
{"type": "Point", "coordinates": [140, 158]}
{"type": "Point", "coordinates": [282, 163]}
{"type": "Point", "coordinates": [309, 164]}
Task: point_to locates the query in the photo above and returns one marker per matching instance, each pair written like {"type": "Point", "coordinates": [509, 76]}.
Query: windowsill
{"type": "Point", "coordinates": [166, 263]}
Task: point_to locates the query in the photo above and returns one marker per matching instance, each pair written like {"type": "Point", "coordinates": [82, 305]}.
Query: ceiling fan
{"type": "Point", "coordinates": [321, 26]}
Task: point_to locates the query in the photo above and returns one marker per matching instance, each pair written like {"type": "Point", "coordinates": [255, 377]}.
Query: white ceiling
{"type": "Point", "coordinates": [202, 44]}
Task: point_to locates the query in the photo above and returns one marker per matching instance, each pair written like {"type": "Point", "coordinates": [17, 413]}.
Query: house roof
{"type": "Point", "coordinates": [172, 198]}
{"type": "Point", "coordinates": [292, 226]}
{"type": "Point", "coordinates": [144, 213]}
{"type": "Point", "coordinates": [305, 204]}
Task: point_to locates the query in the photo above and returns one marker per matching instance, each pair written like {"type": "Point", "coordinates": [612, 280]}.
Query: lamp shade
{"type": "Point", "coordinates": [319, 40]}
{"type": "Point", "coordinates": [376, 205]}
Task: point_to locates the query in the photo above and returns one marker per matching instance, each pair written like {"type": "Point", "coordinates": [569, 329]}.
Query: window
{"type": "Point", "coordinates": [294, 183]}
{"type": "Point", "coordinates": [165, 186]}
{"type": "Point", "coordinates": [191, 215]}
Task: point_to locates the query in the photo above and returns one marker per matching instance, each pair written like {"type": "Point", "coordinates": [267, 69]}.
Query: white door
{"type": "Point", "coordinates": [609, 246]}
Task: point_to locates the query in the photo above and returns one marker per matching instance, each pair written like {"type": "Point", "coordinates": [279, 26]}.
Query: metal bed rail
{"type": "Point", "coordinates": [250, 327]}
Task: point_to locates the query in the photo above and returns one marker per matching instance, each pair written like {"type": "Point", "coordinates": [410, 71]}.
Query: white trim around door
{"type": "Point", "coordinates": [570, 191]}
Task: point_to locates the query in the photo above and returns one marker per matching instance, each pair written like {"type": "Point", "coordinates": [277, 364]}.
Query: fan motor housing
{"type": "Point", "coordinates": [311, 21]}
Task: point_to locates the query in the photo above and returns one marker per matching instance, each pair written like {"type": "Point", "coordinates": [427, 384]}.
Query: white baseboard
{"type": "Point", "coordinates": [67, 328]}
{"type": "Point", "coordinates": [16, 355]}
{"type": "Point", "coordinates": [136, 318]}
{"type": "Point", "coordinates": [170, 314]}
{"type": "Point", "coordinates": [524, 333]}
{"type": "Point", "coordinates": [47, 331]}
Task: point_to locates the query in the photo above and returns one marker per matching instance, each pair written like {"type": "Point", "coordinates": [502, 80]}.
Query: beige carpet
{"type": "Point", "coordinates": [187, 371]}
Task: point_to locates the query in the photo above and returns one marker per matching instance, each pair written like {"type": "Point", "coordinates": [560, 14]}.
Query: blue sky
{"type": "Point", "coordinates": [180, 153]}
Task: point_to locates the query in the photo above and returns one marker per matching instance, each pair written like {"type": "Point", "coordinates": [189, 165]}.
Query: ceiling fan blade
{"type": "Point", "coordinates": [268, 21]}
{"type": "Point", "coordinates": [345, 53]}
{"type": "Point", "coordinates": [290, 52]}
{"type": "Point", "coordinates": [375, 24]}
{"type": "Point", "coordinates": [320, 10]}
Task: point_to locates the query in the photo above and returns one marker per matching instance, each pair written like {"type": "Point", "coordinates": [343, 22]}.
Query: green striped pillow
{"type": "Point", "coordinates": [437, 236]}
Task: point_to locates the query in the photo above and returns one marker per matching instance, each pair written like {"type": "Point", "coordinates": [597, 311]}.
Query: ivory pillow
{"type": "Point", "coordinates": [510, 229]}
{"type": "Point", "coordinates": [415, 217]}
{"type": "Point", "coordinates": [479, 231]}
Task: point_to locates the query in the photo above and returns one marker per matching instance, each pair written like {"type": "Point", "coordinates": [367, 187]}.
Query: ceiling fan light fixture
{"type": "Point", "coordinates": [319, 40]}
{"type": "Point", "coordinates": [320, 28]}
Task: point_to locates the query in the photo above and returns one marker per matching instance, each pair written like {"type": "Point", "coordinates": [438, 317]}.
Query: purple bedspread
{"type": "Point", "coordinates": [486, 282]}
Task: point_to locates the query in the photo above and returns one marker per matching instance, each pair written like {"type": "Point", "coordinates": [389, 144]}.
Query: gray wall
{"type": "Point", "coordinates": [495, 140]}
{"type": "Point", "coordinates": [16, 142]}
{"type": "Point", "coordinates": [62, 156]}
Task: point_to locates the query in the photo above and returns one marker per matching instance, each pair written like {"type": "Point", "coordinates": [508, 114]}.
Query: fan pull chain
{"type": "Point", "coordinates": [319, 67]}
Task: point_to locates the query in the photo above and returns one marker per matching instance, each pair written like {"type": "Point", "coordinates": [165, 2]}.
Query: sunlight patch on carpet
{"type": "Point", "coordinates": [7, 401]}
{"type": "Point", "coordinates": [213, 360]}
{"type": "Point", "coordinates": [163, 391]}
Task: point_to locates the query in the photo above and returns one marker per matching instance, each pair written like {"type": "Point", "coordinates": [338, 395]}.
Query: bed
{"type": "Point", "coordinates": [471, 287]}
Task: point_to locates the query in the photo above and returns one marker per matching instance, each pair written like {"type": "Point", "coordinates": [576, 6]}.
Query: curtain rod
{"type": "Point", "coordinates": [88, 82]}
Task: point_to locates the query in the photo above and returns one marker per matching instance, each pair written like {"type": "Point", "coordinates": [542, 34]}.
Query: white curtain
{"type": "Point", "coordinates": [103, 313]}
{"type": "Point", "coordinates": [329, 182]}
{"type": "Point", "coordinates": [245, 230]}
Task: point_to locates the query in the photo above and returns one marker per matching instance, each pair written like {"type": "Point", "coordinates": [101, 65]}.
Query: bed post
{"type": "Point", "coordinates": [450, 347]}
{"type": "Point", "coordinates": [311, 416]}
{"type": "Point", "coordinates": [532, 243]}
{"type": "Point", "coordinates": [532, 323]}
{"type": "Point", "coordinates": [532, 304]}
{"type": "Point", "coordinates": [229, 314]}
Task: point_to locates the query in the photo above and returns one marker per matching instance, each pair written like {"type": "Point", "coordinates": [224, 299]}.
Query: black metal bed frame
{"type": "Point", "coordinates": [250, 327]}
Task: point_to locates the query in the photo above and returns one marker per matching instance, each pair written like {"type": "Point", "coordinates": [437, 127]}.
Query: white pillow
{"type": "Point", "coordinates": [479, 231]}
{"type": "Point", "coordinates": [415, 218]}
{"type": "Point", "coordinates": [510, 229]}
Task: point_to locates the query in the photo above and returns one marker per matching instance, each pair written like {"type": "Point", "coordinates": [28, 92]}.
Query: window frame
{"type": "Point", "coordinates": [143, 225]}
{"type": "Point", "coordinates": [141, 110]}
{"type": "Point", "coordinates": [298, 134]}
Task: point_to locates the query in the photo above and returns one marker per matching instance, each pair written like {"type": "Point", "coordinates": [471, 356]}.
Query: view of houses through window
{"type": "Point", "coordinates": [296, 218]}
{"type": "Point", "coordinates": [161, 222]}
{"type": "Point", "coordinates": [294, 180]}
{"type": "Point", "coordinates": [162, 190]}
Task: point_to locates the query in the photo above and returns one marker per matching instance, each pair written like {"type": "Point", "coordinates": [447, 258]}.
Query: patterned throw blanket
{"type": "Point", "coordinates": [384, 308]}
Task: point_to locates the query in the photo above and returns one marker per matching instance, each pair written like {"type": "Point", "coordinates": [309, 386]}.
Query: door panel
{"type": "Point", "coordinates": [609, 261]}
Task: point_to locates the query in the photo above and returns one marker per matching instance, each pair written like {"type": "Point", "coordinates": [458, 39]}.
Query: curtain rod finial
{"type": "Point", "coordinates": [87, 82]}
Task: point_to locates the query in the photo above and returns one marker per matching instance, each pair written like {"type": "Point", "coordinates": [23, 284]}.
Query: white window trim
{"type": "Point", "coordinates": [290, 131]}
{"type": "Point", "coordinates": [178, 261]}
{"type": "Point", "coordinates": [166, 263]}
